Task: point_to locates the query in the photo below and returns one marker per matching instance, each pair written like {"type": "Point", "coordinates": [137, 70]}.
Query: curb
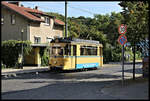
{"type": "Point", "coordinates": [15, 73]}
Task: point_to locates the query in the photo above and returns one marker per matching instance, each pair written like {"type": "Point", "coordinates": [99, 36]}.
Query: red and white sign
{"type": "Point", "coordinates": [122, 29]}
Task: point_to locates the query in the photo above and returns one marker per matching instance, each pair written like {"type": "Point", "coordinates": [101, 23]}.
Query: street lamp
{"type": "Point", "coordinates": [22, 48]}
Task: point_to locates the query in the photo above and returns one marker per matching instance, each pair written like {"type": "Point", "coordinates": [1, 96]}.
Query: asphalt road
{"type": "Point", "coordinates": [65, 85]}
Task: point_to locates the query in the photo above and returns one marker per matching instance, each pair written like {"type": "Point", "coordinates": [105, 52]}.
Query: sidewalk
{"type": "Point", "coordinates": [126, 62]}
{"type": "Point", "coordinates": [26, 69]}
{"type": "Point", "coordinates": [131, 89]}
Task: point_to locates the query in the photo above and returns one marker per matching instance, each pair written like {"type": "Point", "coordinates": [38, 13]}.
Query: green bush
{"type": "Point", "coordinates": [116, 57]}
{"type": "Point", "coordinates": [11, 49]}
{"type": "Point", "coordinates": [44, 56]}
{"type": "Point", "coordinates": [3, 66]}
{"type": "Point", "coordinates": [138, 55]}
{"type": "Point", "coordinates": [106, 55]}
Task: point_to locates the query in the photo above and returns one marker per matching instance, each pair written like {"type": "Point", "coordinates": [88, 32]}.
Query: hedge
{"type": "Point", "coordinates": [10, 51]}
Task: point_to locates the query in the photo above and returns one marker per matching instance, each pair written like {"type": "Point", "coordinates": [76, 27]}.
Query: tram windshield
{"type": "Point", "coordinates": [60, 51]}
{"type": "Point", "coordinates": [57, 51]}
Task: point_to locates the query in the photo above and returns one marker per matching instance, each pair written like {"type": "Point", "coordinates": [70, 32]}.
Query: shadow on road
{"type": "Point", "coordinates": [61, 75]}
{"type": "Point", "coordinates": [137, 71]}
{"type": "Point", "coordinates": [62, 90]}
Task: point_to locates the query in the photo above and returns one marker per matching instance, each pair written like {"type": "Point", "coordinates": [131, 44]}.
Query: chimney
{"type": "Point", "coordinates": [36, 7]}
{"type": "Point", "coordinates": [22, 6]}
{"type": "Point", "coordinates": [15, 3]}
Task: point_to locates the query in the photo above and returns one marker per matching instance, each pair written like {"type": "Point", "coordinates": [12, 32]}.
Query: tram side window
{"type": "Point", "coordinates": [82, 50]}
{"type": "Point", "coordinates": [93, 50]}
{"type": "Point", "coordinates": [88, 50]}
{"type": "Point", "coordinates": [74, 50]}
{"type": "Point", "coordinates": [57, 51]}
{"type": "Point", "coordinates": [67, 50]}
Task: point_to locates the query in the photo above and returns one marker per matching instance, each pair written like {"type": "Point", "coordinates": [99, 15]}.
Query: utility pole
{"type": "Point", "coordinates": [65, 18]}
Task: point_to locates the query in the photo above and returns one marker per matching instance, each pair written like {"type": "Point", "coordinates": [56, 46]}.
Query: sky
{"type": "Point", "coordinates": [76, 8]}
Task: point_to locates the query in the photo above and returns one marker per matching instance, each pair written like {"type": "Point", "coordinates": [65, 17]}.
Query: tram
{"type": "Point", "coordinates": [73, 54]}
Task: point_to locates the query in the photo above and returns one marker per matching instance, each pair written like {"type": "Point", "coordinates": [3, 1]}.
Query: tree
{"type": "Point", "coordinates": [136, 18]}
{"type": "Point", "coordinates": [112, 28]}
{"type": "Point", "coordinates": [58, 16]}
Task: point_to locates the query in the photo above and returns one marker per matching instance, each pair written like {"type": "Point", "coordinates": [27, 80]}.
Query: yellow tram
{"type": "Point", "coordinates": [71, 54]}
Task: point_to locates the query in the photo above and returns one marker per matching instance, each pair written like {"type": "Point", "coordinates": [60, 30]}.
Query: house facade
{"type": "Point", "coordinates": [21, 23]}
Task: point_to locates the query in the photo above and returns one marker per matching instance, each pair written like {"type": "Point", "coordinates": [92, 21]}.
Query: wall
{"type": "Point", "coordinates": [44, 31]}
{"type": "Point", "coordinates": [13, 32]}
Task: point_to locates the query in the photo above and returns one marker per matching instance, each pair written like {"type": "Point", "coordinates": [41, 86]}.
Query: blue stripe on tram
{"type": "Point", "coordinates": [87, 65]}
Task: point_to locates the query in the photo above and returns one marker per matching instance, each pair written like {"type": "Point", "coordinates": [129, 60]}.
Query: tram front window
{"type": "Point", "coordinates": [60, 51]}
{"type": "Point", "coordinates": [57, 51]}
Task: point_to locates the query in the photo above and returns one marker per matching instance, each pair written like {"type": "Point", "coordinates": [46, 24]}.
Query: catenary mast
{"type": "Point", "coordinates": [66, 18]}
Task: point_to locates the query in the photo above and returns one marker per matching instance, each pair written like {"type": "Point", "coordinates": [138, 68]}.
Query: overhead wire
{"type": "Point", "coordinates": [83, 10]}
{"type": "Point", "coordinates": [87, 11]}
{"type": "Point", "coordinates": [43, 6]}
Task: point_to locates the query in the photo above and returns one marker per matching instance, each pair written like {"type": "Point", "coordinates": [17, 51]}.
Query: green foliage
{"type": "Point", "coordinates": [3, 66]}
{"type": "Point", "coordinates": [136, 14]}
{"type": "Point", "coordinates": [116, 54]}
{"type": "Point", "coordinates": [106, 55]}
{"type": "Point", "coordinates": [138, 55]}
{"type": "Point", "coordinates": [11, 50]}
{"type": "Point", "coordinates": [44, 56]}
{"type": "Point", "coordinates": [58, 16]}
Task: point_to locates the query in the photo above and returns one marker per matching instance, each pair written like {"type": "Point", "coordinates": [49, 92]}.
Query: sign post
{"type": "Point", "coordinates": [122, 64]}
{"type": "Point", "coordinates": [122, 40]}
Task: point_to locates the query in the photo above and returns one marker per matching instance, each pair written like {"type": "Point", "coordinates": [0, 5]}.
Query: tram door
{"type": "Point", "coordinates": [73, 57]}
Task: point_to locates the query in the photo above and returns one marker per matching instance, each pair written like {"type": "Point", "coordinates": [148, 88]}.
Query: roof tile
{"type": "Point", "coordinates": [22, 11]}
{"type": "Point", "coordinates": [59, 22]}
{"type": "Point", "coordinates": [25, 12]}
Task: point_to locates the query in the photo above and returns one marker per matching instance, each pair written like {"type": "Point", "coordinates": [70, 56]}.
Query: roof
{"type": "Point", "coordinates": [26, 12]}
{"type": "Point", "coordinates": [59, 22]}
{"type": "Point", "coordinates": [32, 10]}
{"type": "Point", "coordinates": [75, 40]}
{"type": "Point", "coordinates": [22, 11]}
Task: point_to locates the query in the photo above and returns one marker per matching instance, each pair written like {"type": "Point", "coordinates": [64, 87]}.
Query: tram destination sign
{"type": "Point", "coordinates": [86, 41]}
{"type": "Point", "coordinates": [122, 29]}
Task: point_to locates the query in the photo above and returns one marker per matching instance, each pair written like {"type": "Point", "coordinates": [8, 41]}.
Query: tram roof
{"type": "Point", "coordinates": [74, 40]}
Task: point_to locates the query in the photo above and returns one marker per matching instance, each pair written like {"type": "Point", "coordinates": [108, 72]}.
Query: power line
{"type": "Point", "coordinates": [82, 10]}
{"type": "Point", "coordinates": [108, 5]}
{"type": "Point", "coordinates": [42, 6]}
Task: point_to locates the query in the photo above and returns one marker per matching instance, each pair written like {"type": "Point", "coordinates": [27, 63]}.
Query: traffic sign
{"type": "Point", "coordinates": [122, 39]}
{"type": "Point", "coordinates": [122, 29]}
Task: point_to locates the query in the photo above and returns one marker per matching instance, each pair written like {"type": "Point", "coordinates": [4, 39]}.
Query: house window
{"type": "Point", "coordinates": [37, 39]}
{"type": "Point", "coordinates": [47, 21]}
{"type": "Point", "coordinates": [13, 20]}
{"type": "Point", "coordinates": [48, 39]}
{"type": "Point", "coordinates": [2, 19]}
